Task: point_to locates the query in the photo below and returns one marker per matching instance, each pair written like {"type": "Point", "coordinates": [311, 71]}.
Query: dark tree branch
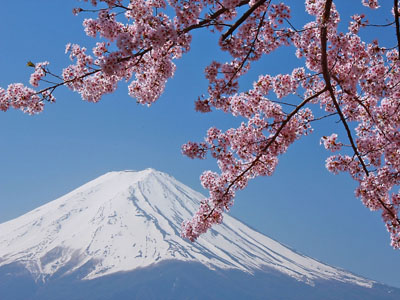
{"type": "Point", "coordinates": [327, 78]}
{"type": "Point", "coordinates": [250, 51]}
{"type": "Point", "coordinates": [328, 85]}
{"type": "Point", "coordinates": [211, 18]}
{"type": "Point", "coordinates": [242, 19]}
{"type": "Point", "coordinates": [396, 19]}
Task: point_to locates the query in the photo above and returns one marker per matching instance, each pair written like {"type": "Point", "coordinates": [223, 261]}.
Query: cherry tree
{"type": "Point", "coordinates": [354, 80]}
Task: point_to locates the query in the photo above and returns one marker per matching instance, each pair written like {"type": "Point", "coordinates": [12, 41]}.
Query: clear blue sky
{"type": "Point", "coordinates": [71, 142]}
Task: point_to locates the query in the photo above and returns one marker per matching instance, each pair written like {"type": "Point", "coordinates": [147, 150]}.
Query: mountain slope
{"type": "Point", "coordinates": [123, 221]}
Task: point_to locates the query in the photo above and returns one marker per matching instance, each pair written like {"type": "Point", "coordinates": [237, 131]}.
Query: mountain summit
{"type": "Point", "coordinates": [125, 221]}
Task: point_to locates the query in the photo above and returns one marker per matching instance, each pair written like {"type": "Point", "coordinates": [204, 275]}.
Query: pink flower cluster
{"type": "Point", "coordinates": [371, 3]}
{"type": "Point", "coordinates": [40, 72]}
{"type": "Point", "coordinates": [330, 142]}
{"type": "Point", "coordinates": [357, 23]}
{"type": "Point", "coordinates": [20, 97]}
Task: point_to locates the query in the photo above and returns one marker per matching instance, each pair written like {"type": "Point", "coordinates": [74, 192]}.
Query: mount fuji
{"type": "Point", "coordinates": [118, 237]}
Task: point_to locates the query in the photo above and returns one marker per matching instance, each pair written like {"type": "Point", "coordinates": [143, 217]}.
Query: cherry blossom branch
{"type": "Point", "coordinates": [53, 87]}
{"type": "Point", "coordinates": [65, 82]}
{"type": "Point", "coordinates": [238, 69]}
{"type": "Point", "coordinates": [326, 75]}
{"type": "Point", "coordinates": [362, 105]}
{"type": "Point", "coordinates": [212, 17]}
{"type": "Point", "coordinates": [186, 30]}
{"type": "Point", "coordinates": [242, 19]}
{"type": "Point", "coordinates": [265, 148]}
{"type": "Point", "coordinates": [327, 79]}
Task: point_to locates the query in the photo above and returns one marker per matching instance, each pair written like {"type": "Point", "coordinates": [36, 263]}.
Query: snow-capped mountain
{"type": "Point", "coordinates": [127, 220]}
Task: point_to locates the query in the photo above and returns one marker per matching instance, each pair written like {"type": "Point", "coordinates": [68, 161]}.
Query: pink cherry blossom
{"type": "Point", "coordinates": [331, 143]}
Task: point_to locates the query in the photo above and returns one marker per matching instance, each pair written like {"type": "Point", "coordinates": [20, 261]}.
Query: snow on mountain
{"type": "Point", "coordinates": [127, 220]}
